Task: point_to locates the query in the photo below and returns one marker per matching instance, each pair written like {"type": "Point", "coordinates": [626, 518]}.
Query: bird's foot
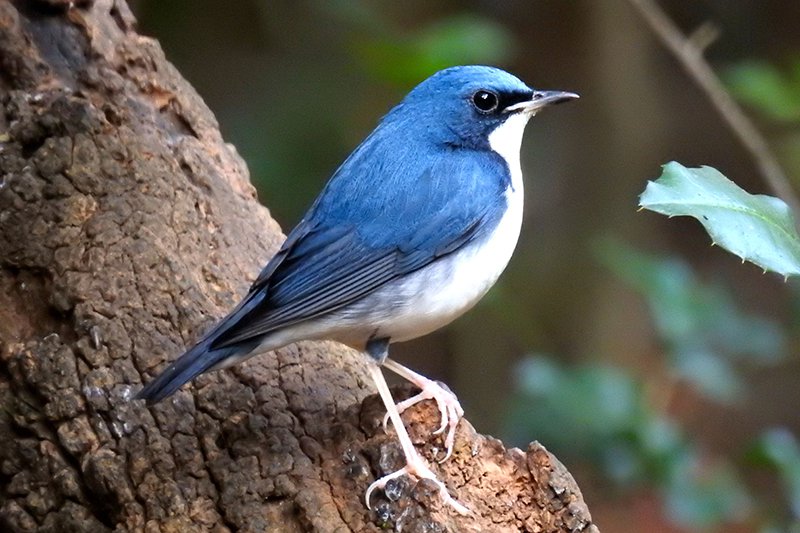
{"type": "Point", "coordinates": [418, 468]}
{"type": "Point", "coordinates": [448, 405]}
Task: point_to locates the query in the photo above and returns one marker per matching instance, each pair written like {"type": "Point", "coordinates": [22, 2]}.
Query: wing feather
{"type": "Point", "coordinates": [369, 236]}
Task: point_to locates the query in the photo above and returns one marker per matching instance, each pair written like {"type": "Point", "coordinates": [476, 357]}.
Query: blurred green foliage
{"type": "Point", "coordinates": [704, 333]}
{"type": "Point", "coordinates": [403, 56]}
{"type": "Point", "coordinates": [778, 448]}
{"type": "Point", "coordinates": [455, 40]}
{"type": "Point", "coordinates": [766, 88]}
{"type": "Point", "coordinates": [606, 418]}
{"type": "Point", "coordinates": [774, 93]}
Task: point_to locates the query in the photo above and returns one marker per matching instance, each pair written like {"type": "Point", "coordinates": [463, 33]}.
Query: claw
{"type": "Point", "coordinates": [415, 465]}
{"type": "Point", "coordinates": [380, 483]}
{"type": "Point", "coordinates": [417, 468]}
{"type": "Point", "coordinates": [455, 413]}
{"type": "Point", "coordinates": [447, 403]}
{"type": "Point", "coordinates": [421, 397]}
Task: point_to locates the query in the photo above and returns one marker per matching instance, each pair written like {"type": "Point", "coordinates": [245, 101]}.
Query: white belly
{"type": "Point", "coordinates": [437, 294]}
{"type": "Point", "coordinates": [440, 293]}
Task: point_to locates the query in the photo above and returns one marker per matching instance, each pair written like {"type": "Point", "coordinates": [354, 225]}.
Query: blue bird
{"type": "Point", "coordinates": [409, 233]}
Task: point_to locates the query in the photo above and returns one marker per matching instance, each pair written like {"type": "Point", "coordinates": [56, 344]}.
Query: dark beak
{"type": "Point", "coordinates": [542, 99]}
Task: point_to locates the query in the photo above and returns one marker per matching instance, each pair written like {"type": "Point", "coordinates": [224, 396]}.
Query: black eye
{"type": "Point", "coordinates": [485, 101]}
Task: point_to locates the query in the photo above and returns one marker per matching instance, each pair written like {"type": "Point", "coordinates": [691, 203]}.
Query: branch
{"type": "Point", "coordinates": [689, 53]}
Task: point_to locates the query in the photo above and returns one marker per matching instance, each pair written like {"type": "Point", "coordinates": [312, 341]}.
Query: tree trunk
{"type": "Point", "coordinates": [127, 226]}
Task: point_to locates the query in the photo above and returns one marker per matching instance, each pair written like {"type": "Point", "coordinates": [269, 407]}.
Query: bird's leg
{"type": "Point", "coordinates": [415, 465]}
{"type": "Point", "coordinates": [446, 401]}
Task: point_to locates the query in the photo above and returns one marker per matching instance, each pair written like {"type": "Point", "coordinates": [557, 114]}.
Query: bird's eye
{"type": "Point", "coordinates": [485, 101]}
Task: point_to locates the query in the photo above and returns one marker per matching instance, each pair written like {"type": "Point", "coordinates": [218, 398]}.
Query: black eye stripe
{"type": "Point", "coordinates": [490, 101]}
{"type": "Point", "coordinates": [507, 99]}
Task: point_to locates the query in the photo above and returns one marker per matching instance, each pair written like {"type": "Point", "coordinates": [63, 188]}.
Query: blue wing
{"type": "Point", "coordinates": [389, 210]}
{"type": "Point", "coordinates": [363, 233]}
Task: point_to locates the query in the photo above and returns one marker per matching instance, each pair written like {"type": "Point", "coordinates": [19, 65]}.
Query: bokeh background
{"type": "Point", "coordinates": [662, 371]}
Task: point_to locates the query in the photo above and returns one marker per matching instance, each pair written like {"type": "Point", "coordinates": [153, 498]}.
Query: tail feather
{"type": "Point", "coordinates": [187, 367]}
{"type": "Point", "coordinates": [202, 357]}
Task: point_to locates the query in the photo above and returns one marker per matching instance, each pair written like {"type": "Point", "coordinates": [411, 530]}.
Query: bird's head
{"type": "Point", "coordinates": [463, 106]}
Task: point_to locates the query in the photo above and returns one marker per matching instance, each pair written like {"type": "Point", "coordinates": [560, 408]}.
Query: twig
{"type": "Point", "coordinates": [691, 58]}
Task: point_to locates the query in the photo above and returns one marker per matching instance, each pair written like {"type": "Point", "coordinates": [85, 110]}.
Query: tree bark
{"type": "Point", "coordinates": [127, 225]}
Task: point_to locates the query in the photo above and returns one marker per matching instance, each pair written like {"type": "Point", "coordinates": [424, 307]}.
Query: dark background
{"type": "Point", "coordinates": [661, 370]}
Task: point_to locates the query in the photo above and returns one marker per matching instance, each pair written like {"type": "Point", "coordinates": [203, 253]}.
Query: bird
{"type": "Point", "coordinates": [409, 233]}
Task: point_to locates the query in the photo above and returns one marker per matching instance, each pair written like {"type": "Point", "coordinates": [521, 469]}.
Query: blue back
{"type": "Point", "coordinates": [424, 184]}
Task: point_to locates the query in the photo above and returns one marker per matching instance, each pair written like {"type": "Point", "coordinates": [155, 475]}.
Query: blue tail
{"type": "Point", "coordinates": [202, 356]}
{"type": "Point", "coordinates": [197, 360]}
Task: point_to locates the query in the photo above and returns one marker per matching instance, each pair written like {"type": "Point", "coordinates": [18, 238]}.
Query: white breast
{"type": "Point", "coordinates": [439, 293]}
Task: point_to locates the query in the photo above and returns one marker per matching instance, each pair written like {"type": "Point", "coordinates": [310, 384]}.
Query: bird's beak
{"type": "Point", "coordinates": [541, 99]}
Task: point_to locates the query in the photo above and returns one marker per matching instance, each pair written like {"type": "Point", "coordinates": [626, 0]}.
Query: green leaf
{"type": "Point", "coordinates": [757, 228]}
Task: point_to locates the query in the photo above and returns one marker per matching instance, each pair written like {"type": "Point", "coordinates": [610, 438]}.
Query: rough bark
{"type": "Point", "coordinates": [127, 226]}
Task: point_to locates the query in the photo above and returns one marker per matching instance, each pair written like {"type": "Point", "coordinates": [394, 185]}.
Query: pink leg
{"type": "Point", "coordinates": [446, 401]}
{"type": "Point", "coordinates": [415, 465]}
